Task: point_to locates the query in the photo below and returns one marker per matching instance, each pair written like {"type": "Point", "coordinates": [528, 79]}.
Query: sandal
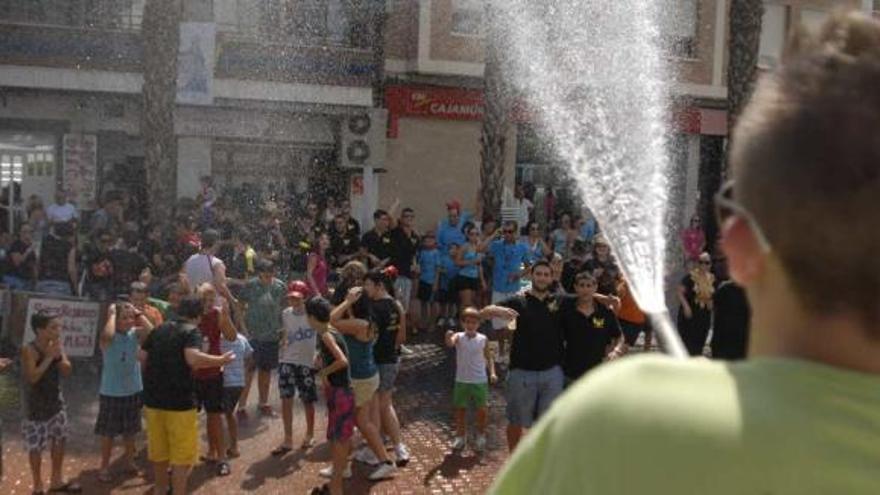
{"type": "Point", "coordinates": [223, 469]}
{"type": "Point", "coordinates": [307, 443]}
{"type": "Point", "coordinates": [105, 477]}
{"type": "Point", "coordinates": [69, 487]}
{"type": "Point", "coordinates": [281, 451]}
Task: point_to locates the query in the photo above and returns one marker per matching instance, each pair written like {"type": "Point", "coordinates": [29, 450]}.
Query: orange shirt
{"type": "Point", "coordinates": [153, 314]}
{"type": "Point", "coordinates": [629, 310]}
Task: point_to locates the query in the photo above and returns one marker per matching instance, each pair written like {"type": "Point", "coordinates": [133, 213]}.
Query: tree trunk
{"type": "Point", "coordinates": [161, 37]}
{"type": "Point", "coordinates": [378, 46]}
{"type": "Point", "coordinates": [496, 122]}
{"type": "Point", "coordinates": [745, 42]}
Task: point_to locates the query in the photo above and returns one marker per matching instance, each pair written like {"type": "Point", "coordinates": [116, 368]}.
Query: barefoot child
{"type": "Point", "coordinates": [233, 383]}
{"type": "Point", "coordinates": [119, 410]}
{"type": "Point", "coordinates": [472, 358]}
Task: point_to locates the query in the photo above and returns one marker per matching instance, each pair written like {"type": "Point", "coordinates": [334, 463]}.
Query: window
{"type": "Point", "coordinates": [467, 17]}
{"type": "Point", "coordinates": [89, 14]}
{"type": "Point", "coordinates": [678, 27]}
{"type": "Point", "coordinates": [300, 22]}
{"type": "Point", "coordinates": [774, 26]}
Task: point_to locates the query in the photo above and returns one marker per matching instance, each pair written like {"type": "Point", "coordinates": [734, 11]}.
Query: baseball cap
{"type": "Point", "coordinates": [453, 204]}
{"type": "Point", "coordinates": [297, 289]}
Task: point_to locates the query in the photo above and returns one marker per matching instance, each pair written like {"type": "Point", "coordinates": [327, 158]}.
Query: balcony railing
{"type": "Point", "coordinates": [338, 23]}
{"type": "Point", "coordinates": [122, 15]}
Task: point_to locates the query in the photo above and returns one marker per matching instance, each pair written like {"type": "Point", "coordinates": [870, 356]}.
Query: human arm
{"type": "Point", "coordinates": [400, 338]}
{"type": "Point", "coordinates": [227, 329]}
{"type": "Point", "coordinates": [310, 273]}
{"type": "Point", "coordinates": [611, 302]}
{"type": "Point", "coordinates": [340, 362]}
{"type": "Point", "coordinates": [220, 283]}
{"type": "Point", "coordinates": [619, 347]}
{"type": "Point", "coordinates": [34, 369]}
{"type": "Point", "coordinates": [109, 328]}
{"type": "Point", "coordinates": [71, 266]}
{"type": "Point", "coordinates": [350, 326]}
{"type": "Point", "coordinates": [682, 298]}
{"type": "Point", "coordinates": [490, 363]}
{"type": "Point", "coordinates": [495, 311]}
{"type": "Point", "coordinates": [197, 359]}
{"type": "Point", "coordinates": [451, 338]}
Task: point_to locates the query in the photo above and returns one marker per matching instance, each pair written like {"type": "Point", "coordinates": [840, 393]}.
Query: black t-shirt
{"type": "Point", "coordinates": [586, 337]}
{"type": "Point", "coordinates": [168, 380]}
{"type": "Point", "coordinates": [341, 378]}
{"type": "Point", "coordinates": [353, 227]}
{"type": "Point", "coordinates": [730, 334]}
{"type": "Point", "coordinates": [53, 259]}
{"type": "Point", "coordinates": [538, 340]}
{"type": "Point", "coordinates": [607, 280]}
{"type": "Point", "coordinates": [149, 249]}
{"type": "Point", "coordinates": [405, 248]}
{"type": "Point", "coordinates": [26, 269]}
{"type": "Point", "coordinates": [380, 246]}
{"type": "Point", "coordinates": [98, 264]}
{"type": "Point", "coordinates": [345, 244]}
{"type": "Point", "coordinates": [385, 315]}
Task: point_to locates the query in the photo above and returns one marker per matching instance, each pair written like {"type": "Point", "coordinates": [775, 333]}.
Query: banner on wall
{"type": "Point", "coordinates": [80, 155]}
{"type": "Point", "coordinates": [79, 322]}
{"type": "Point", "coordinates": [195, 63]}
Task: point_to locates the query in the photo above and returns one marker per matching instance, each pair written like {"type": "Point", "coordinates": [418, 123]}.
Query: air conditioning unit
{"type": "Point", "coordinates": [363, 139]}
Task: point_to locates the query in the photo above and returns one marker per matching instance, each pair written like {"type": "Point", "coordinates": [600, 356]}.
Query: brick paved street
{"type": "Point", "coordinates": [423, 403]}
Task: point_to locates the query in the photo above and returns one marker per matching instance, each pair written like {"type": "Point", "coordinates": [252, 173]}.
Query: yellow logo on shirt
{"type": "Point", "coordinates": [598, 322]}
{"type": "Point", "coordinates": [553, 306]}
{"type": "Point", "coordinates": [386, 240]}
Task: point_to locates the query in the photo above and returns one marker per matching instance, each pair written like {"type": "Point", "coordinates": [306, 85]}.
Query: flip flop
{"type": "Point", "coordinates": [223, 469]}
{"type": "Point", "coordinates": [281, 451]}
{"type": "Point", "coordinates": [69, 487]}
{"type": "Point", "coordinates": [307, 444]}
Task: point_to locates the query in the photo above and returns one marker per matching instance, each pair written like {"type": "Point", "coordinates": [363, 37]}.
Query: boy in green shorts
{"type": "Point", "coordinates": [472, 358]}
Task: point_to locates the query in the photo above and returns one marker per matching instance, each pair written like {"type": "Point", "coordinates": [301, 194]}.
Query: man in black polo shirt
{"type": "Point", "coordinates": [377, 244]}
{"type": "Point", "coordinates": [590, 329]}
{"type": "Point", "coordinates": [535, 378]}
{"type": "Point", "coordinates": [344, 242]}
{"type": "Point", "coordinates": [406, 245]}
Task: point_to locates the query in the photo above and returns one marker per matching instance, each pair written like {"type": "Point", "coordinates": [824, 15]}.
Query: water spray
{"type": "Point", "coordinates": [670, 342]}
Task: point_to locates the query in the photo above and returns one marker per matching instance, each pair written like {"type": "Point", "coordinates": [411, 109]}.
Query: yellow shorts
{"type": "Point", "coordinates": [172, 436]}
{"type": "Point", "coordinates": [364, 389]}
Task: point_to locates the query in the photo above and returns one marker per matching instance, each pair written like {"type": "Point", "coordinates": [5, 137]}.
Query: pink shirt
{"type": "Point", "coordinates": [319, 274]}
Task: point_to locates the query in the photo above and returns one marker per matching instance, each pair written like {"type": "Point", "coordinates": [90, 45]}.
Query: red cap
{"type": "Point", "coordinates": [453, 204]}
{"type": "Point", "coordinates": [298, 289]}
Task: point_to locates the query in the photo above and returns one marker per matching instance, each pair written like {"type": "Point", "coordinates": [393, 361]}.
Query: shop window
{"type": "Point", "coordinates": [300, 22]}
{"type": "Point", "coordinates": [774, 27]}
{"type": "Point", "coordinates": [678, 21]}
{"type": "Point", "coordinates": [467, 18]}
{"type": "Point", "coordinates": [89, 14]}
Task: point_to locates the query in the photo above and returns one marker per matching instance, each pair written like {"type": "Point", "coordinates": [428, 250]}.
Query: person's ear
{"type": "Point", "coordinates": [745, 259]}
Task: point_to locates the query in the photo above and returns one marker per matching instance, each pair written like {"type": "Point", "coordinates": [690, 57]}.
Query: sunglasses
{"type": "Point", "coordinates": [726, 207]}
{"type": "Point", "coordinates": [506, 231]}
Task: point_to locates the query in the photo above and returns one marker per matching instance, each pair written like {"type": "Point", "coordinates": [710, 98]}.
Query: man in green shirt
{"type": "Point", "coordinates": [264, 296]}
{"type": "Point", "coordinates": [801, 235]}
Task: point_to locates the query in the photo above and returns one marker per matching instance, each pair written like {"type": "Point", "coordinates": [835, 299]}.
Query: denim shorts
{"type": "Point", "coordinates": [530, 393]}
{"type": "Point", "coordinates": [387, 376]}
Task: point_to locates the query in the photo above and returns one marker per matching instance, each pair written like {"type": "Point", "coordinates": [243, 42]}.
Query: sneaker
{"type": "Point", "coordinates": [366, 456]}
{"type": "Point", "coordinates": [459, 443]}
{"type": "Point", "coordinates": [405, 350]}
{"type": "Point", "coordinates": [327, 472]}
{"type": "Point", "coordinates": [480, 443]}
{"type": "Point", "coordinates": [385, 471]}
{"type": "Point", "coordinates": [402, 455]}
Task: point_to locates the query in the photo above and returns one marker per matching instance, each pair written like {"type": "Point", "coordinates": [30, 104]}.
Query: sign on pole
{"type": "Point", "coordinates": [79, 321]}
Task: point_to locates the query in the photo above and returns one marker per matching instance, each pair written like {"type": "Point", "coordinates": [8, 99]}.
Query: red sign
{"type": "Point", "coordinates": [439, 103]}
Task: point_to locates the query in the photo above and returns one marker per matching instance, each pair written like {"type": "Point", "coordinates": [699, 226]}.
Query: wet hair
{"type": "Point", "coordinates": [40, 321]}
{"type": "Point", "coordinates": [264, 265]}
{"type": "Point", "coordinates": [353, 270]}
{"type": "Point", "coordinates": [469, 312]}
{"type": "Point", "coordinates": [210, 237]}
{"type": "Point", "coordinates": [584, 276]}
{"type": "Point", "coordinates": [809, 138]}
{"type": "Point", "coordinates": [319, 309]}
{"type": "Point", "coordinates": [191, 306]}
{"type": "Point", "coordinates": [385, 277]}
{"type": "Point", "coordinates": [378, 214]}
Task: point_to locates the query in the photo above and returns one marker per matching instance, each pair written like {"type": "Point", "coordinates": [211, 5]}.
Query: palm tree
{"type": "Point", "coordinates": [745, 42]}
{"type": "Point", "coordinates": [378, 45]}
{"type": "Point", "coordinates": [161, 37]}
{"type": "Point", "coordinates": [496, 120]}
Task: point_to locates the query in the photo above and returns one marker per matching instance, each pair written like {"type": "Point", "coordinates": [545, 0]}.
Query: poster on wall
{"type": "Point", "coordinates": [80, 155]}
{"type": "Point", "coordinates": [195, 63]}
{"type": "Point", "coordinates": [79, 320]}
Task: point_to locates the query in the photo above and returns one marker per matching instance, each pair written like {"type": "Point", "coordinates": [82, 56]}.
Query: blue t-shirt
{"type": "Point", "coordinates": [470, 271]}
{"type": "Point", "coordinates": [589, 230]}
{"type": "Point", "coordinates": [121, 373]}
{"type": "Point", "coordinates": [535, 251]}
{"type": "Point", "coordinates": [233, 373]}
{"type": "Point", "coordinates": [429, 259]}
{"type": "Point", "coordinates": [509, 258]}
{"type": "Point", "coordinates": [448, 270]}
{"type": "Point", "coordinates": [447, 234]}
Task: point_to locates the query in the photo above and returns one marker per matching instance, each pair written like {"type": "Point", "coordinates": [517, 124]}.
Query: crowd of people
{"type": "Point", "coordinates": [200, 309]}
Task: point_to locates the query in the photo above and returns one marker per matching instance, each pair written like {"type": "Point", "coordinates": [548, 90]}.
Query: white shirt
{"type": "Point", "coordinates": [523, 206]}
{"type": "Point", "coordinates": [200, 268]}
{"type": "Point", "coordinates": [470, 358]}
{"type": "Point", "coordinates": [300, 339]}
{"type": "Point", "coordinates": [61, 213]}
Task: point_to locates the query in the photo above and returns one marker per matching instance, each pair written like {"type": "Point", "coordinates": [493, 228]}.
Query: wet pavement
{"type": "Point", "coordinates": [423, 403]}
